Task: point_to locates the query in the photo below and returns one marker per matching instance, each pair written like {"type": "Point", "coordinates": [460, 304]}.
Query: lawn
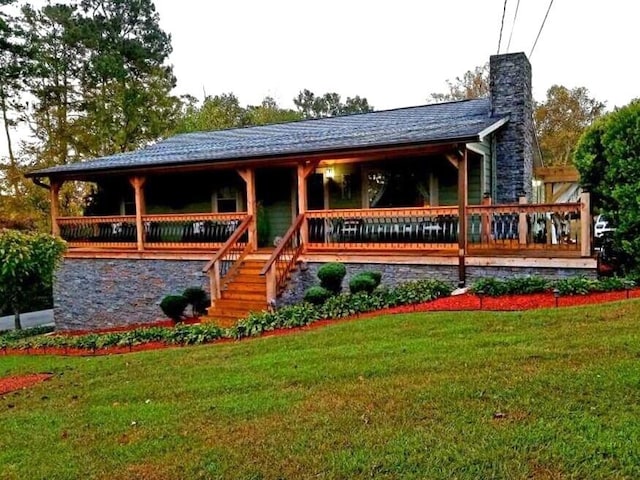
{"type": "Point", "coordinates": [538, 395]}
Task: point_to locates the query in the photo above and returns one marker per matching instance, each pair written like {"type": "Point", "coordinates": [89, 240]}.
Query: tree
{"type": "Point", "coordinates": [329, 105]}
{"type": "Point", "coordinates": [126, 80]}
{"type": "Point", "coordinates": [473, 84]}
{"type": "Point", "coordinates": [27, 262]}
{"type": "Point", "coordinates": [561, 119]}
{"type": "Point", "coordinates": [12, 70]}
{"type": "Point", "coordinates": [608, 159]}
{"type": "Point", "coordinates": [268, 112]}
{"type": "Point", "coordinates": [224, 111]}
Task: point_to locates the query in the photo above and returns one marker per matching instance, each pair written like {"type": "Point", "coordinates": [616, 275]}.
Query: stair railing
{"type": "Point", "coordinates": [227, 260]}
{"type": "Point", "coordinates": [283, 260]}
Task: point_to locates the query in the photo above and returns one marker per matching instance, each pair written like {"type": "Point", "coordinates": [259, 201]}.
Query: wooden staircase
{"type": "Point", "coordinates": [245, 292]}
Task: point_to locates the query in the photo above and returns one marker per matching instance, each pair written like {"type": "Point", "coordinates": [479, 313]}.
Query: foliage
{"type": "Point", "coordinates": [608, 159]}
{"type": "Point", "coordinates": [374, 275]}
{"type": "Point", "coordinates": [173, 306]}
{"type": "Point", "coordinates": [473, 84]}
{"type": "Point", "coordinates": [329, 105]}
{"type": "Point", "coordinates": [27, 264]}
{"type": "Point", "coordinates": [13, 335]}
{"type": "Point", "coordinates": [518, 285]}
{"type": "Point", "coordinates": [362, 283]}
{"type": "Point", "coordinates": [495, 287]}
{"type": "Point", "coordinates": [317, 295]}
{"type": "Point", "coordinates": [575, 286]}
{"type": "Point", "coordinates": [561, 119]}
{"type": "Point", "coordinates": [331, 275]}
{"type": "Point", "coordinates": [224, 111]}
{"type": "Point", "coordinates": [198, 299]}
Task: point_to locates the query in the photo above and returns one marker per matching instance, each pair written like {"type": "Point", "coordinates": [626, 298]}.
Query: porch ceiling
{"type": "Point", "coordinates": [453, 122]}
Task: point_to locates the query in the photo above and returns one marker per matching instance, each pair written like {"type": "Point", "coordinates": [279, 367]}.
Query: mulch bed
{"type": "Point", "coordinates": [20, 382]}
{"type": "Point", "coordinates": [465, 302]}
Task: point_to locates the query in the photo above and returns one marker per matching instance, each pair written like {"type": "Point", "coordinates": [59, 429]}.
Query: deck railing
{"type": "Point", "coordinates": [170, 231]}
{"type": "Point", "coordinates": [384, 228]}
{"type": "Point", "coordinates": [195, 230]}
{"type": "Point", "coordinates": [523, 226]}
{"type": "Point", "coordinates": [112, 231]}
{"type": "Point", "coordinates": [228, 258]}
{"type": "Point", "coordinates": [283, 259]}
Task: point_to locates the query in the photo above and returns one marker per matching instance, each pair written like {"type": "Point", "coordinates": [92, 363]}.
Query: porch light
{"type": "Point", "coordinates": [328, 172]}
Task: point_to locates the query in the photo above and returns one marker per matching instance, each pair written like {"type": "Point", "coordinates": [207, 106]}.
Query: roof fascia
{"type": "Point", "coordinates": [492, 128]}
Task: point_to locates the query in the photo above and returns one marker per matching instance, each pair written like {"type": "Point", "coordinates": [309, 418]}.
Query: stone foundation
{"type": "Point", "coordinates": [103, 293]}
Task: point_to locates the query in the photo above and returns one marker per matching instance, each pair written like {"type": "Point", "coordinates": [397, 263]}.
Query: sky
{"type": "Point", "coordinates": [394, 53]}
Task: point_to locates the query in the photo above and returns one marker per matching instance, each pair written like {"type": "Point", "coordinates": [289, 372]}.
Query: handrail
{"type": "Point", "coordinates": [283, 259]}
{"type": "Point", "coordinates": [242, 228]}
{"type": "Point", "coordinates": [283, 243]}
{"type": "Point", "coordinates": [227, 259]}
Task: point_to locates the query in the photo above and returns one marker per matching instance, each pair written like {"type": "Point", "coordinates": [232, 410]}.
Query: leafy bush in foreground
{"type": "Point", "coordinates": [567, 286]}
{"type": "Point", "coordinates": [317, 295]}
{"type": "Point", "coordinates": [173, 306]}
{"type": "Point", "coordinates": [331, 275]}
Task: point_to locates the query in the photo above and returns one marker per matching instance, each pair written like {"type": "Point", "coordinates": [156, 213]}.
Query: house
{"type": "Point", "coordinates": [440, 190]}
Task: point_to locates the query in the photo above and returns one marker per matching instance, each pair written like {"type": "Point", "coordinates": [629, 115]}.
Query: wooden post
{"type": "Point", "coordinates": [214, 278]}
{"type": "Point", "coordinates": [249, 177]}
{"type": "Point", "coordinates": [55, 207]}
{"type": "Point", "coordinates": [522, 222]}
{"type": "Point", "coordinates": [138, 183]}
{"type": "Point", "coordinates": [303, 172]}
{"type": "Point", "coordinates": [486, 219]}
{"type": "Point", "coordinates": [271, 285]}
{"type": "Point", "coordinates": [462, 217]}
{"type": "Point", "coordinates": [585, 224]}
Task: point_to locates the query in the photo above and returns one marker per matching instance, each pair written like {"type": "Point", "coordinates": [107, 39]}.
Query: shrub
{"type": "Point", "coordinates": [198, 299]}
{"type": "Point", "coordinates": [317, 295]}
{"type": "Point", "coordinates": [173, 306]}
{"type": "Point", "coordinates": [489, 286]}
{"type": "Point", "coordinates": [362, 283]}
{"type": "Point", "coordinates": [331, 275]}
{"type": "Point", "coordinates": [495, 287]}
{"type": "Point", "coordinates": [575, 286]}
{"type": "Point", "coordinates": [375, 276]}
{"type": "Point", "coordinates": [614, 283]}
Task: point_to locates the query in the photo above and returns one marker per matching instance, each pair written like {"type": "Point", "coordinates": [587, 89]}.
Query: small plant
{"type": "Point", "coordinates": [173, 306]}
{"type": "Point", "coordinates": [331, 276]}
{"type": "Point", "coordinates": [363, 282]}
{"type": "Point", "coordinates": [316, 295]}
{"type": "Point", "coordinates": [198, 299]}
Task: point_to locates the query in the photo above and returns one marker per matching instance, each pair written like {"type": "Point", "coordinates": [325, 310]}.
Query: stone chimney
{"type": "Point", "coordinates": [510, 93]}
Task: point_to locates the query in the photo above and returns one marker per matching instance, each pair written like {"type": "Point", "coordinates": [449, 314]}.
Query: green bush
{"type": "Point", "coordinates": [317, 295]}
{"type": "Point", "coordinates": [494, 287]}
{"type": "Point", "coordinates": [173, 306]}
{"type": "Point", "coordinates": [362, 283]}
{"type": "Point", "coordinates": [198, 299]}
{"type": "Point", "coordinates": [331, 276]}
{"type": "Point", "coordinates": [374, 275]}
{"type": "Point", "coordinates": [575, 286]}
{"type": "Point", "coordinates": [612, 284]}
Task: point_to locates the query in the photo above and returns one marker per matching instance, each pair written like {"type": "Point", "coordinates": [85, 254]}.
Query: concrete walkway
{"type": "Point", "coordinates": [28, 320]}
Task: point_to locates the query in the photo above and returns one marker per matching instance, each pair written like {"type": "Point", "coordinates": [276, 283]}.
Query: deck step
{"type": "Point", "coordinates": [237, 294]}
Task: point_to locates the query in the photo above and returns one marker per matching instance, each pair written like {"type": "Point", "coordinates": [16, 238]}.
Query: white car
{"type": "Point", "coordinates": [601, 226]}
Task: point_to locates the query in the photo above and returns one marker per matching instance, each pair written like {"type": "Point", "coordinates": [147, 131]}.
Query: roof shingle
{"type": "Point", "coordinates": [413, 125]}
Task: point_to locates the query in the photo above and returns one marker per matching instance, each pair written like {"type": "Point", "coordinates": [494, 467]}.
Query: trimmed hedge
{"type": "Point", "coordinates": [317, 295]}
{"type": "Point", "coordinates": [173, 306]}
{"type": "Point", "coordinates": [331, 275]}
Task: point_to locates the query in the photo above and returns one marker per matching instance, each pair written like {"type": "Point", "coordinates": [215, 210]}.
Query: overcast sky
{"type": "Point", "coordinates": [397, 52]}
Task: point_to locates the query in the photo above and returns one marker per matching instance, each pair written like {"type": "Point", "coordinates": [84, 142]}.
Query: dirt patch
{"type": "Point", "coordinates": [20, 382]}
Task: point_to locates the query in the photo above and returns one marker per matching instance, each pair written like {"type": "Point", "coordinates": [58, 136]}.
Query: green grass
{"type": "Point", "coordinates": [538, 395]}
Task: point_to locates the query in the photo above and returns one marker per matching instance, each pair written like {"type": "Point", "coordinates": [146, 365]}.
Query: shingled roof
{"type": "Point", "coordinates": [461, 121]}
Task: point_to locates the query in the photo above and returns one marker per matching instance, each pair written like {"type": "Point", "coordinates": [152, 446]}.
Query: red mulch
{"type": "Point", "coordinates": [166, 323]}
{"type": "Point", "coordinates": [465, 302]}
{"type": "Point", "coordinates": [11, 384]}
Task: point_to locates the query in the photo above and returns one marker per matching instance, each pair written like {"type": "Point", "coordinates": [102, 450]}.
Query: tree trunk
{"type": "Point", "coordinates": [12, 158]}
{"type": "Point", "coordinates": [16, 319]}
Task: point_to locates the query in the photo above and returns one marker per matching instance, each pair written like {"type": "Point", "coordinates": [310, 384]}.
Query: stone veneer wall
{"type": "Point", "coordinates": [510, 87]}
{"type": "Point", "coordinates": [505, 273]}
{"type": "Point", "coordinates": [395, 274]}
{"type": "Point", "coordinates": [103, 293]}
